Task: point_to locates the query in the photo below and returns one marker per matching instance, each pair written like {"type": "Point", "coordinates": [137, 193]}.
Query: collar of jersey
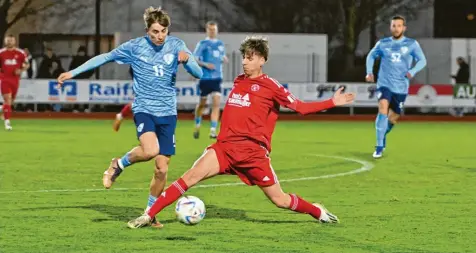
{"type": "Point", "coordinates": [399, 40]}
{"type": "Point", "coordinates": [255, 78]}
{"type": "Point", "coordinates": [157, 48]}
{"type": "Point", "coordinates": [212, 40]}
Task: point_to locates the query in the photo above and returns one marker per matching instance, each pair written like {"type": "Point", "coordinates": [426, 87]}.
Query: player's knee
{"type": "Point", "coordinates": [150, 153]}
{"type": "Point", "coordinates": [216, 106]}
{"type": "Point", "coordinates": [393, 118]}
{"type": "Point", "coordinates": [160, 170]}
{"type": "Point", "coordinates": [202, 103]}
{"type": "Point", "coordinates": [7, 100]}
{"type": "Point", "coordinates": [161, 166]}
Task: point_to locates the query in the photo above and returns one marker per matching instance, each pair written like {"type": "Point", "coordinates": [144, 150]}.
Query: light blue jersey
{"type": "Point", "coordinates": [396, 60]}
{"type": "Point", "coordinates": [211, 51]}
{"type": "Point", "coordinates": [155, 69]}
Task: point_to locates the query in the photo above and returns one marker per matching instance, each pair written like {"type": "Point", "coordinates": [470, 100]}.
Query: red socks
{"type": "Point", "coordinates": [301, 206]}
{"type": "Point", "coordinates": [7, 111]}
{"type": "Point", "coordinates": [126, 110]}
{"type": "Point", "coordinates": [169, 196]}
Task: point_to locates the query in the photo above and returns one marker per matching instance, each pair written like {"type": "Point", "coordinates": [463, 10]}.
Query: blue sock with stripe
{"type": "Point", "coordinates": [124, 161]}
{"type": "Point", "coordinates": [381, 125]}
{"type": "Point", "coordinates": [150, 202]}
{"type": "Point", "coordinates": [213, 125]}
{"type": "Point", "coordinates": [198, 121]}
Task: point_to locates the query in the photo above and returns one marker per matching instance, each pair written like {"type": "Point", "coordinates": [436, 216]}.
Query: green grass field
{"type": "Point", "coordinates": [419, 198]}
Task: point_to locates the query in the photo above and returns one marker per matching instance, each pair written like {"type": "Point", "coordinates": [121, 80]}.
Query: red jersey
{"type": "Point", "coordinates": [11, 60]}
{"type": "Point", "coordinates": [252, 109]}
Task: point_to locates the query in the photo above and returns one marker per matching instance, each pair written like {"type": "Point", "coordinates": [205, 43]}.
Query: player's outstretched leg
{"type": "Point", "coordinates": [145, 152]}
{"type": "Point", "coordinates": [295, 203]}
{"type": "Point", "coordinates": [126, 111]}
{"type": "Point", "coordinates": [205, 167]}
{"type": "Point", "coordinates": [198, 116]}
{"type": "Point", "coordinates": [216, 97]}
{"type": "Point", "coordinates": [381, 125]}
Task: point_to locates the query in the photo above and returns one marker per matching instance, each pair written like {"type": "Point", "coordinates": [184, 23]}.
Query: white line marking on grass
{"type": "Point", "coordinates": [366, 166]}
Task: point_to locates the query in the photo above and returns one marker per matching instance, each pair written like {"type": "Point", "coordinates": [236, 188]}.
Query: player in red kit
{"type": "Point", "coordinates": [126, 111]}
{"type": "Point", "coordinates": [244, 142]}
{"type": "Point", "coordinates": [12, 64]}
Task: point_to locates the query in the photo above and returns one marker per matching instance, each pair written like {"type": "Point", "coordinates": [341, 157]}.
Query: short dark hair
{"type": "Point", "coordinates": [255, 45]}
{"type": "Point", "coordinates": [156, 15]}
{"type": "Point", "coordinates": [212, 22]}
{"type": "Point", "coordinates": [400, 17]}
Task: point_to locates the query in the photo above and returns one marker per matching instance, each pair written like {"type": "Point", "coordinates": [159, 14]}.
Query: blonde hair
{"type": "Point", "coordinates": [154, 15]}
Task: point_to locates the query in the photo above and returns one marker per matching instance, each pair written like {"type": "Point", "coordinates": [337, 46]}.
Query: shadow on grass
{"type": "Point", "coordinates": [124, 213]}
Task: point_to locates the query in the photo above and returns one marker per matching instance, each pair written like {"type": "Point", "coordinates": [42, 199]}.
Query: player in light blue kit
{"type": "Point", "coordinates": [397, 54]}
{"type": "Point", "coordinates": [211, 55]}
{"type": "Point", "coordinates": [154, 59]}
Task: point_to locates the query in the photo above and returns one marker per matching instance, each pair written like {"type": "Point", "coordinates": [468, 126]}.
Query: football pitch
{"type": "Point", "coordinates": [420, 197]}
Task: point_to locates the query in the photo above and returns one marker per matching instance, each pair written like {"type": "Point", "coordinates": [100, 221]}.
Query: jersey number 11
{"type": "Point", "coordinates": [159, 70]}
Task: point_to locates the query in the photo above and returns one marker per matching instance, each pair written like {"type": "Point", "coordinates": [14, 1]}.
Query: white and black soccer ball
{"type": "Point", "coordinates": [190, 210]}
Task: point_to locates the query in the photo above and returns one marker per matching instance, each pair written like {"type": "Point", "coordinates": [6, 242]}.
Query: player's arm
{"type": "Point", "coordinates": [287, 99]}
{"type": "Point", "coordinates": [224, 58]}
{"type": "Point", "coordinates": [420, 58]}
{"type": "Point", "coordinates": [121, 54]}
{"type": "Point", "coordinates": [198, 53]}
{"type": "Point", "coordinates": [369, 64]}
{"type": "Point", "coordinates": [24, 66]}
{"type": "Point", "coordinates": [189, 62]}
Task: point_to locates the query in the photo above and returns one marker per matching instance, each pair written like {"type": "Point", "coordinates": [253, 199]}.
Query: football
{"type": "Point", "coordinates": [190, 210]}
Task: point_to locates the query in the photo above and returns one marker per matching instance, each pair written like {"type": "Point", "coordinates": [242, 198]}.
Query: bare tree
{"type": "Point", "coordinates": [360, 14]}
{"type": "Point", "coordinates": [12, 11]}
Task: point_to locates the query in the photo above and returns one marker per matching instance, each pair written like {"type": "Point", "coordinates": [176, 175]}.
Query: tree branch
{"type": "Point", "coordinates": [22, 13]}
{"type": "Point", "coordinates": [5, 7]}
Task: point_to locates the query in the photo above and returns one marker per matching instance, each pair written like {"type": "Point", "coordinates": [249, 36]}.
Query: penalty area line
{"type": "Point", "coordinates": [365, 166]}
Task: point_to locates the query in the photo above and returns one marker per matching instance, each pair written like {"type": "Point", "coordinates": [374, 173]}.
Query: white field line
{"type": "Point", "coordinates": [366, 166]}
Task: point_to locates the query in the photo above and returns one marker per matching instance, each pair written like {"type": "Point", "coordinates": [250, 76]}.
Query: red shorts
{"type": "Point", "coordinates": [9, 86]}
{"type": "Point", "coordinates": [246, 159]}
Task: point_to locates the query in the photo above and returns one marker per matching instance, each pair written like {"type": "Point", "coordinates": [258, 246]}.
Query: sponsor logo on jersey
{"type": "Point", "coordinates": [169, 58]}
{"type": "Point", "coordinates": [11, 62]}
{"type": "Point", "coordinates": [239, 100]}
{"type": "Point", "coordinates": [255, 87]}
